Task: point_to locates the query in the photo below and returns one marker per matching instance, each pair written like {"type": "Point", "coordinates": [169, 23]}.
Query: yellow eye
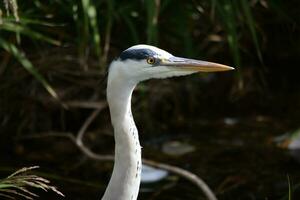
{"type": "Point", "coordinates": [150, 60]}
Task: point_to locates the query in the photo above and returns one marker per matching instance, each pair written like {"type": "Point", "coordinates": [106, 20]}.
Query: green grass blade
{"type": "Point", "coordinates": [226, 11]}
{"type": "Point", "coordinates": [251, 25]}
{"type": "Point", "coordinates": [152, 9]}
{"type": "Point", "coordinates": [16, 28]}
{"type": "Point", "coordinates": [12, 49]}
{"type": "Point", "coordinates": [4, 185]}
{"type": "Point", "coordinates": [29, 21]}
{"type": "Point", "coordinates": [85, 7]}
{"type": "Point", "coordinates": [17, 185]}
{"type": "Point", "coordinates": [92, 14]}
{"type": "Point", "coordinates": [90, 19]}
{"type": "Point", "coordinates": [290, 187]}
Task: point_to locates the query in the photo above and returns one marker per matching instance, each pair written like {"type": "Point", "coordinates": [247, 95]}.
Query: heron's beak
{"type": "Point", "coordinates": [187, 64]}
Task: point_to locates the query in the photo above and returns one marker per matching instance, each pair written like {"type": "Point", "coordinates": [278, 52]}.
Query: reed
{"type": "Point", "coordinates": [18, 184]}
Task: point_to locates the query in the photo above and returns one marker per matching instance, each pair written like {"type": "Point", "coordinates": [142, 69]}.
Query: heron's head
{"type": "Point", "coordinates": [142, 62]}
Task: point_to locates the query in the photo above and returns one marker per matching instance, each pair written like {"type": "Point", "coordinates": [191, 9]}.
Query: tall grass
{"type": "Point", "coordinates": [290, 188]}
{"type": "Point", "coordinates": [152, 9]}
{"type": "Point", "coordinates": [11, 6]}
{"type": "Point", "coordinates": [19, 55]}
{"type": "Point", "coordinates": [234, 17]}
{"type": "Point", "coordinates": [18, 184]}
{"type": "Point", "coordinates": [92, 26]}
{"type": "Point", "coordinates": [87, 28]}
{"type": "Point", "coordinates": [95, 19]}
{"type": "Point", "coordinates": [13, 29]}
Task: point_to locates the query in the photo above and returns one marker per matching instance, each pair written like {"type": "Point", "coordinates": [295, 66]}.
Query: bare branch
{"type": "Point", "coordinates": [193, 178]}
{"type": "Point", "coordinates": [186, 174]}
{"type": "Point", "coordinates": [86, 124]}
{"type": "Point", "coordinates": [87, 152]}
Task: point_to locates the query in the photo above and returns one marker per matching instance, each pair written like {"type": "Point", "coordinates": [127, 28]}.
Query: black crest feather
{"type": "Point", "coordinates": [137, 54]}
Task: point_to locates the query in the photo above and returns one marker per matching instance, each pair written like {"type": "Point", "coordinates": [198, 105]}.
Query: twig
{"type": "Point", "coordinates": [186, 174]}
{"type": "Point", "coordinates": [86, 124]}
{"type": "Point", "coordinates": [173, 169]}
{"type": "Point", "coordinates": [86, 151]}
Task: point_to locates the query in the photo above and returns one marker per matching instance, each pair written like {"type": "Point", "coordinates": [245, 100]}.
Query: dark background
{"type": "Point", "coordinates": [232, 120]}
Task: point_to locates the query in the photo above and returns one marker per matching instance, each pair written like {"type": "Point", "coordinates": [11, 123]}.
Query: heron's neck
{"type": "Point", "coordinates": [125, 179]}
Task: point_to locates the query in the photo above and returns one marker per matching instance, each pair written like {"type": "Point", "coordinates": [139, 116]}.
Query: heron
{"type": "Point", "coordinates": [135, 64]}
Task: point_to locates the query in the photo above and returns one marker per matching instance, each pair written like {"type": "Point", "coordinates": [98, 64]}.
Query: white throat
{"type": "Point", "coordinates": [125, 180]}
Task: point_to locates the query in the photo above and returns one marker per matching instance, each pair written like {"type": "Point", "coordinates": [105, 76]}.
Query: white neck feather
{"type": "Point", "coordinates": [125, 180]}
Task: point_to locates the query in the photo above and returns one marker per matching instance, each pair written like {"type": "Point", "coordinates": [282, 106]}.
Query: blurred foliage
{"type": "Point", "coordinates": [163, 23]}
{"type": "Point", "coordinates": [11, 31]}
{"type": "Point", "coordinates": [195, 28]}
{"type": "Point", "coordinates": [66, 46]}
{"type": "Point", "coordinates": [64, 42]}
{"type": "Point", "coordinates": [11, 6]}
